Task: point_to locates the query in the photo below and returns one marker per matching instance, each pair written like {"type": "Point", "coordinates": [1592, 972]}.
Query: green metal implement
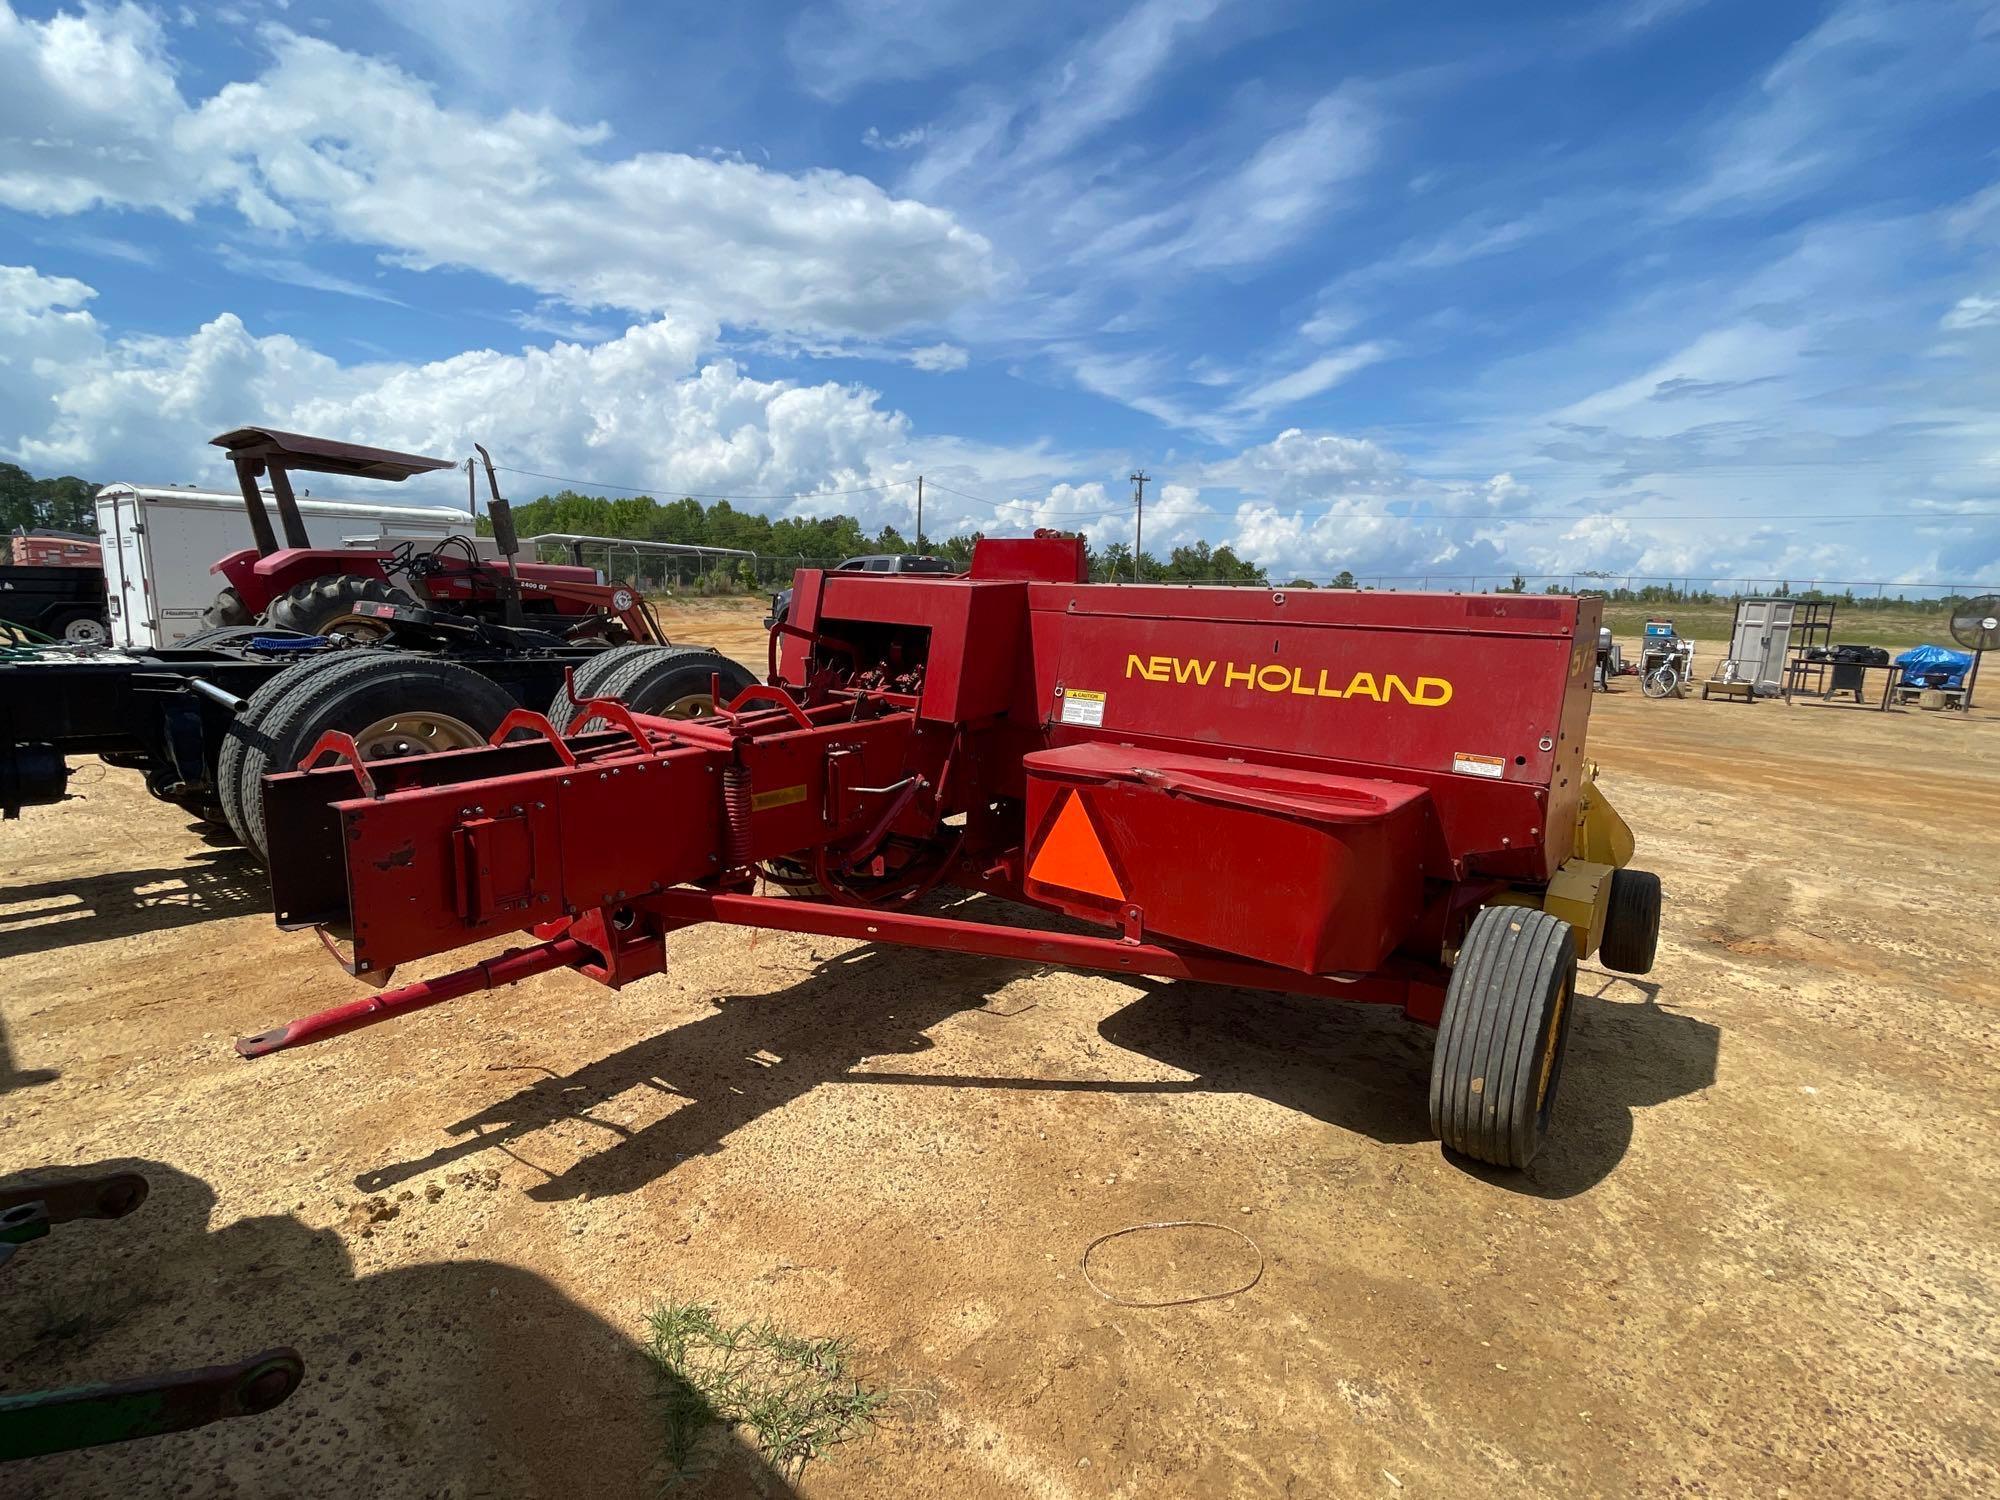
{"type": "Point", "coordinates": [87, 1416]}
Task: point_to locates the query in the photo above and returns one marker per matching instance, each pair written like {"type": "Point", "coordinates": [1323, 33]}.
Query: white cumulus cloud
{"type": "Point", "coordinates": [325, 143]}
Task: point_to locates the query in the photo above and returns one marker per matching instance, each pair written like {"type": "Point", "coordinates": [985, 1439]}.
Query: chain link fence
{"type": "Point", "coordinates": [714, 571]}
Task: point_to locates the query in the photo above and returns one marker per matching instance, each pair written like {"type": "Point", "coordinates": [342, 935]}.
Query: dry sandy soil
{"type": "Point", "coordinates": [1756, 1259]}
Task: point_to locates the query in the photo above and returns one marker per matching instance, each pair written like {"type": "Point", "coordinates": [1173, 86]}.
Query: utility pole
{"type": "Point", "coordinates": [1139, 478]}
{"type": "Point", "coordinates": [920, 512]}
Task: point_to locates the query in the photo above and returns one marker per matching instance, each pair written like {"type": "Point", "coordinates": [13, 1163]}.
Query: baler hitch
{"type": "Point", "coordinates": [510, 967]}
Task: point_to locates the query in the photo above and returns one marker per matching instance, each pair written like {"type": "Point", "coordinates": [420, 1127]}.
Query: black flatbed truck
{"type": "Point", "coordinates": [171, 713]}
{"type": "Point", "coordinates": [65, 603]}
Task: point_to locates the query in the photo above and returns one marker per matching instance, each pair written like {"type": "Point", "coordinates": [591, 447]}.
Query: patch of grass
{"type": "Point", "coordinates": [793, 1396]}
{"type": "Point", "coordinates": [1895, 628]}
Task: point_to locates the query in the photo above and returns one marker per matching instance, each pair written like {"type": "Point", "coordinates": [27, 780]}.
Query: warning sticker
{"type": "Point", "coordinates": [1083, 707]}
{"type": "Point", "coordinates": [1478, 765]}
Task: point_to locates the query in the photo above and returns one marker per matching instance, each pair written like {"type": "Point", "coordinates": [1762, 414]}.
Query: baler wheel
{"type": "Point", "coordinates": [393, 703]}
{"type": "Point", "coordinates": [321, 606]}
{"type": "Point", "coordinates": [1501, 1040]}
{"type": "Point", "coordinates": [674, 682]}
{"type": "Point", "coordinates": [1632, 924]}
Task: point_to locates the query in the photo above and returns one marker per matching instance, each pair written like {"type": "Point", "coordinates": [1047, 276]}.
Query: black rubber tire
{"type": "Point", "coordinates": [1632, 924]}
{"type": "Point", "coordinates": [311, 606]}
{"type": "Point", "coordinates": [228, 609]}
{"type": "Point", "coordinates": [355, 690]}
{"type": "Point", "coordinates": [244, 732]}
{"type": "Point", "coordinates": [1501, 1040]}
{"type": "Point", "coordinates": [589, 679]}
{"type": "Point", "coordinates": [646, 679]}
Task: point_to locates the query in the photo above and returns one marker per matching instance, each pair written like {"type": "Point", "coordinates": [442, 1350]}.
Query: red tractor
{"type": "Point", "coordinates": [328, 590]}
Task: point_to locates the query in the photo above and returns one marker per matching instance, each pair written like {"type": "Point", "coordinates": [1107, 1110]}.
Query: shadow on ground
{"type": "Point", "coordinates": [456, 1378]}
{"type": "Point", "coordinates": [12, 1075]}
{"type": "Point", "coordinates": [1627, 1052]}
{"type": "Point", "coordinates": [863, 1003]}
{"type": "Point", "coordinates": [63, 913]}
{"type": "Point", "coordinates": [1360, 1068]}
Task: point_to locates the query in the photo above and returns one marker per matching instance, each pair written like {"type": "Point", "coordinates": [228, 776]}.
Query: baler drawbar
{"type": "Point", "coordinates": [1362, 796]}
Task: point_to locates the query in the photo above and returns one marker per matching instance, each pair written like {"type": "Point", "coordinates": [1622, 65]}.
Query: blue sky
{"type": "Point", "coordinates": [1657, 287]}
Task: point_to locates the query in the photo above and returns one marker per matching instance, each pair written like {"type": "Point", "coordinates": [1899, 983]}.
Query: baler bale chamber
{"type": "Point", "coordinates": [1372, 797]}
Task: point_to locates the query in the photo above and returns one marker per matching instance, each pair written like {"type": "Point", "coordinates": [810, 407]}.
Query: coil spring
{"type": "Point", "coordinates": [736, 817]}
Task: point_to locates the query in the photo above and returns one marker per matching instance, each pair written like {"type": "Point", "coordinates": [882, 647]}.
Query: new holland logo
{"type": "Point", "coordinates": [1303, 682]}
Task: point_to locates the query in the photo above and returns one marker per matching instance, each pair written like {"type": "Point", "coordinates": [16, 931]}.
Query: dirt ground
{"type": "Point", "coordinates": [1757, 1258]}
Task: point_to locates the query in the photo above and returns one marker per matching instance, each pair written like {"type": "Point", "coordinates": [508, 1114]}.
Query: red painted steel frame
{"type": "Point", "coordinates": [509, 968]}
{"type": "Point", "coordinates": [1029, 944]}
{"type": "Point", "coordinates": [1421, 997]}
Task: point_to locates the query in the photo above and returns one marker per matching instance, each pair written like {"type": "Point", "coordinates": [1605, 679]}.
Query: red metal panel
{"type": "Point", "coordinates": [1444, 691]}
{"type": "Point", "coordinates": [977, 640]}
{"type": "Point", "coordinates": [1051, 559]}
{"type": "Point", "coordinates": [436, 868]}
{"type": "Point", "coordinates": [1313, 872]}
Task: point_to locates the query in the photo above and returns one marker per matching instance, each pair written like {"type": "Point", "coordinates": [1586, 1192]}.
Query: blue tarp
{"type": "Point", "coordinates": [1934, 666]}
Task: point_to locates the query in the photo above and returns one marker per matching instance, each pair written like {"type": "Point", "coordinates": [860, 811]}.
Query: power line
{"type": "Point", "coordinates": [1329, 508]}
{"type": "Point", "coordinates": [668, 489]}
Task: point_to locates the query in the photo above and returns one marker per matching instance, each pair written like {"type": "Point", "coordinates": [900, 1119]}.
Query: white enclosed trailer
{"type": "Point", "coordinates": [159, 545]}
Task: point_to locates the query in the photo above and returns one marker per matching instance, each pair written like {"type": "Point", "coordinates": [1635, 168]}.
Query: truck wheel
{"type": "Point", "coordinates": [1632, 924]}
{"type": "Point", "coordinates": [321, 606]}
{"type": "Point", "coordinates": [589, 679]}
{"type": "Point", "coordinates": [1500, 1042]}
{"type": "Point", "coordinates": [395, 705]}
{"type": "Point", "coordinates": [245, 733]}
{"type": "Point", "coordinates": [673, 682]}
{"type": "Point", "coordinates": [228, 609]}
{"type": "Point", "coordinates": [81, 628]}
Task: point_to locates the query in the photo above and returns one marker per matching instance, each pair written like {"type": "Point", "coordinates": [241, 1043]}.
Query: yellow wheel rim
{"type": "Point", "coordinates": [418, 733]}
{"type": "Point", "coordinates": [1549, 1049]}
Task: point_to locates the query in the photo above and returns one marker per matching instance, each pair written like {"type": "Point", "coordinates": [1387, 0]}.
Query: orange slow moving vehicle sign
{"type": "Point", "coordinates": [1072, 856]}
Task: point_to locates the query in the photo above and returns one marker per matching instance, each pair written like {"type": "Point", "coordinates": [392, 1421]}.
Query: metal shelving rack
{"type": "Point", "coordinates": [1812, 626]}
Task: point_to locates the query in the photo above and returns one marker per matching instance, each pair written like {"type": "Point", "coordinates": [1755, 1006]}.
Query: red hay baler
{"type": "Point", "coordinates": [1361, 796]}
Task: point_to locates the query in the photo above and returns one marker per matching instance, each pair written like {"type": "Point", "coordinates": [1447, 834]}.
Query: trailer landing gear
{"type": "Point", "coordinates": [1500, 1043]}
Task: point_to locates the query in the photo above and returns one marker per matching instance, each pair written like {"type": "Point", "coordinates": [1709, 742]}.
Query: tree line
{"type": "Point", "coordinates": [830, 539]}
{"type": "Point", "coordinates": [45, 504]}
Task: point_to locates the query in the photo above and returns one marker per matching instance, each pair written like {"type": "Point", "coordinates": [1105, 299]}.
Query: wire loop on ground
{"type": "Point", "coordinates": [1255, 1276]}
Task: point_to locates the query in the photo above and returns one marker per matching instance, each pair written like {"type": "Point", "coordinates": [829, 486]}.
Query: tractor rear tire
{"type": "Point", "coordinates": [672, 681]}
{"type": "Point", "coordinates": [394, 705]}
{"type": "Point", "coordinates": [228, 609]}
{"type": "Point", "coordinates": [1501, 1040]}
{"type": "Point", "coordinates": [1632, 924]}
{"type": "Point", "coordinates": [320, 605]}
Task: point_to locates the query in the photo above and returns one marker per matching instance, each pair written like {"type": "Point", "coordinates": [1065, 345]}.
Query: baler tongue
{"type": "Point", "coordinates": [510, 967]}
